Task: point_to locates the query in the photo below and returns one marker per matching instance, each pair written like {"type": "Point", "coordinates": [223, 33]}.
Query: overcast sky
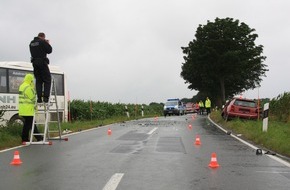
{"type": "Point", "coordinates": [129, 51]}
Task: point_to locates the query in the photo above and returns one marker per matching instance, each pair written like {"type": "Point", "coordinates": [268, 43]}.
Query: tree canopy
{"type": "Point", "coordinates": [223, 59]}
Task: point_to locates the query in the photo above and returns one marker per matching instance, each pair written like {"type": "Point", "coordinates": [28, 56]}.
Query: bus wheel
{"type": "Point", "coordinates": [16, 120]}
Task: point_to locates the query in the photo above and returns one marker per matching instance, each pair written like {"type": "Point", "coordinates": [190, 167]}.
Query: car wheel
{"type": "Point", "coordinates": [226, 117]}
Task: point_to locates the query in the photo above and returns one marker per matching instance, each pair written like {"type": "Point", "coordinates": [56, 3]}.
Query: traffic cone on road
{"type": "Point", "coordinates": [213, 161]}
{"type": "Point", "coordinates": [197, 140]}
{"type": "Point", "coordinates": [16, 159]}
{"type": "Point", "coordinates": [189, 126]}
{"type": "Point", "coordinates": [109, 131]}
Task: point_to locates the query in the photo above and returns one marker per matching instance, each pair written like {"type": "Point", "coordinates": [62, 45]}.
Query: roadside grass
{"type": "Point", "coordinates": [11, 136]}
{"type": "Point", "coordinates": [276, 139]}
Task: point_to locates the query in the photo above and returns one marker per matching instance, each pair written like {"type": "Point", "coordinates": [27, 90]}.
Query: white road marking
{"type": "Point", "coordinates": [13, 148]}
{"type": "Point", "coordinates": [113, 183]}
{"type": "Point", "coordinates": [152, 131]}
{"type": "Point", "coordinates": [273, 172]}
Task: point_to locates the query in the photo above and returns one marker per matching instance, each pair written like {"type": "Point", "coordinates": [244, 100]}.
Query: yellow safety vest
{"type": "Point", "coordinates": [207, 103]}
{"type": "Point", "coordinates": [201, 104]}
{"type": "Point", "coordinates": [26, 100]}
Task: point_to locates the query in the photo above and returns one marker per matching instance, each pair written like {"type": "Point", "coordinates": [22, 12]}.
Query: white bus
{"type": "Point", "coordinates": [12, 75]}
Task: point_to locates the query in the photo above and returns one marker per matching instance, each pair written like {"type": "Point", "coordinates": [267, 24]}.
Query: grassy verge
{"type": "Point", "coordinates": [11, 136]}
{"type": "Point", "coordinates": [277, 138]}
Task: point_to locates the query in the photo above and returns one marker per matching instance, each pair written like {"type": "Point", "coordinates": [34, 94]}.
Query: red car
{"type": "Point", "coordinates": [241, 108]}
{"type": "Point", "coordinates": [189, 107]}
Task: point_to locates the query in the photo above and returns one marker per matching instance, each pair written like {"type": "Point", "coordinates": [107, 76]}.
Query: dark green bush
{"type": "Point", "coordinates": [280, 107]}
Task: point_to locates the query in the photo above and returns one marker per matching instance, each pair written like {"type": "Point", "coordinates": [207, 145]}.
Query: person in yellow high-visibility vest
{"type": "Point", "coordinates": [26, 106]}
{"type": "Point", "coordinates": [207, 105]}
{"type": "Point", "coordinates": [201, 107]}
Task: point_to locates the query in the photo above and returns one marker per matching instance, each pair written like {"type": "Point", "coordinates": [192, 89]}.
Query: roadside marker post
{"type": "Point", "coordinates": [265, 117]}
{"type": "Point", "coordinates": [142, 111]}
{"type": "Point", "coordinates": [127, 112]}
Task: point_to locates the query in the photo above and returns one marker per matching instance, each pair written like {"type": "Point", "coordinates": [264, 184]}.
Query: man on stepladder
{"type": "Point", "coordinates": [39, 48]}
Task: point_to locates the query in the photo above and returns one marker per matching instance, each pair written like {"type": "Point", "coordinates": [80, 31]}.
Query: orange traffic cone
{"type": "Point", "coordinates": [16, 159]}
{"type": "Point", "coordinates": [213, 162]}
{"type": "Point", "coordinates": [189, 126]}
{"type": "Point", "coordinates": [197, 140]}
{"type": "Point", "coordinates": [109, 131]}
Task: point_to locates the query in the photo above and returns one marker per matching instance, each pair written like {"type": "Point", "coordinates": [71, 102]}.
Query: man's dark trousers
{"type": "Point", "coordinates": [43, 78]}
{"type": "Point", "coordinates": [28, 120]}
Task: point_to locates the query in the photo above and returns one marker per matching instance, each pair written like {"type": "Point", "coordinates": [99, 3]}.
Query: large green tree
{"type": "Point", "coordinates": [223, 59]}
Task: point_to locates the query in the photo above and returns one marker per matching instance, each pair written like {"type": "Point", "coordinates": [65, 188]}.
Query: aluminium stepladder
{"type": "Point", "coordinates": [46, 115]}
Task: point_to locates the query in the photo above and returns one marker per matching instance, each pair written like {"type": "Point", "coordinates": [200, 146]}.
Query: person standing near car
{"type": "Point", "coordinates": [39, 48]}
{"type": "Point", "coordinates": [26, 106]}
{"type": "Point", "coordinates": [207, 105]}
{"type": "Point", "coordinates": [201, 107]}
{"type": "Point", "coordinates": [196, 107]}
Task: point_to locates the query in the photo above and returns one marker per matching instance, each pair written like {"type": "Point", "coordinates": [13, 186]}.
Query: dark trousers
{"type": "Point", "coordinates": [207, 111]}
{"type": "Point", "coordinates": [43, 78]}
{"type": "Point", "coordinates": [200, 110]}
{"type": "Point", "coordinates": [27, 127]}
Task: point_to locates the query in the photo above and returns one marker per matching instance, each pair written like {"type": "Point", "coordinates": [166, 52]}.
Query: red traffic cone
{"type": "Point", "coordinates": [197, 140]}
{"type": "Point", "coordinates": [189, 126]}
{"type": "Point", "coordinates": [16, 159]}
{"type": "Point", "coordinates": [109, 131]}
{"type": "Point", "coordinates": [213, 161]}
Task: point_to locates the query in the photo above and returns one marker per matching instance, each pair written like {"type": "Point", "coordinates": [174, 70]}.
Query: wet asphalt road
{"type": "Point", "coordinates": [144, 154]}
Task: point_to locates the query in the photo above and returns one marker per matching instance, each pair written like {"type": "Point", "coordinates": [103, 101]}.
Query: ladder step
{"type": "Point", "coordinates": [39, 142]}
{"type": "Point", "coordinates": [38, 134]}
{"type": "Point", "coordinates": [53, 121]}
{"type": "Point", "coordinates": [45, 112]}
{"type": "Point", "coordinates": [45, 123]}
{"type": "Point", "coordinates": [40, 112]}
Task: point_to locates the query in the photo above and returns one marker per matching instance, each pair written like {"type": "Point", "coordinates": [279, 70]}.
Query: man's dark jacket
{"type": "Point", "coordinates": [39, 48]}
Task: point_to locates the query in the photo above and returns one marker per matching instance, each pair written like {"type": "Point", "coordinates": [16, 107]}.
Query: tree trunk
{"type": "Point", "coordinates": [223, 96]}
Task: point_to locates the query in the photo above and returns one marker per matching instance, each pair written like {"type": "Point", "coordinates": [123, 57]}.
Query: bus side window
{"type": "Point", "coordinates": [15, 79]}
{"type": "Point", "coordinates": [3, 81]}
{"type": "Point", "coordinates": [59, 79]}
